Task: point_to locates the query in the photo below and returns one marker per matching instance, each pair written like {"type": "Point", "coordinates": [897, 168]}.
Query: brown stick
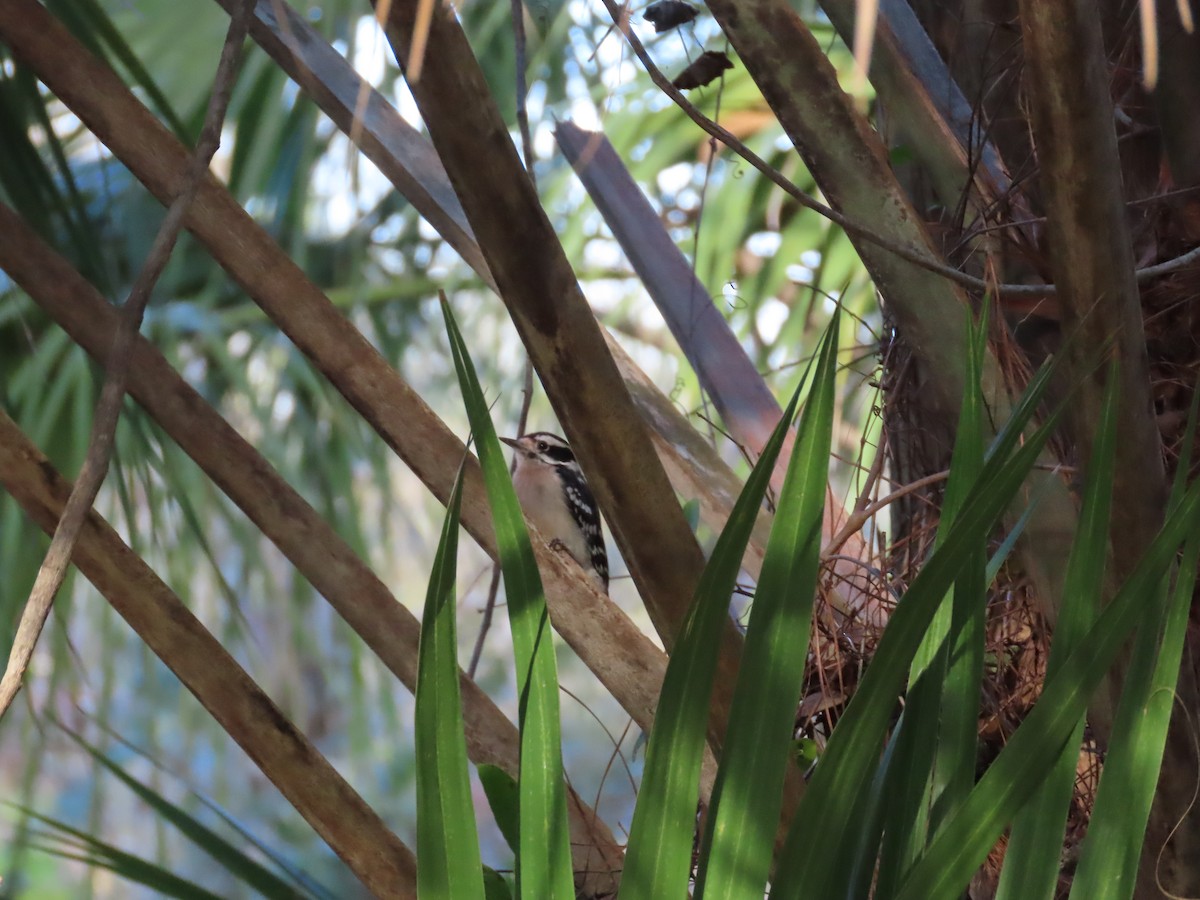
{"type": "Point", "coordinates": [278, 510]}
{"type": "Point", "coordinates": [108, 410]}
{"type": "Point", "coordinates": [624, 659]}
{"type": "Point", "coordinates": [338, 814]}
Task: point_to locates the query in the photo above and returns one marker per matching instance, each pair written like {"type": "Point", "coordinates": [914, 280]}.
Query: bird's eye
{"type": "Point", "coordinates": [542, 446]}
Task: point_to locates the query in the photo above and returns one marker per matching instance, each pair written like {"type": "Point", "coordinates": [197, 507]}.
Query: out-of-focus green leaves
{"type": "Point", "coordinates": [241, 866]}
{"type": "Point", "coordinates": [91, 23]}
{"type": "Point", "coordinates": [61, 840]}
{"type": "Point", "coordinates": [279, 880]}
{"type": "Point", "coordinates": [45, 191]}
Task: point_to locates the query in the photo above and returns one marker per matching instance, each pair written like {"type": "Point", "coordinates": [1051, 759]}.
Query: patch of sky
{"type": "Point", "coordinates": [283, 407]}
{"type": "Point", "coordinates": [764, 243]}
{"type": "Point", "coordinates": [674, 179]}
{"type": "Point", "coordinates": [770, 318]}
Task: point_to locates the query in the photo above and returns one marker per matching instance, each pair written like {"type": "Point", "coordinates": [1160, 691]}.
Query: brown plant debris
{"type": "Point", "coordinates": [707, 68]}
{"type": "Point", "coordinates": [668, 14]}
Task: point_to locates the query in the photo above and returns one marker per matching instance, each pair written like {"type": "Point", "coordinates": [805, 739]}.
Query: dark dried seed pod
{"type": "Point", "coordinates": [704, 70]}
{"type": "Point", "coordinates": [668, 14]}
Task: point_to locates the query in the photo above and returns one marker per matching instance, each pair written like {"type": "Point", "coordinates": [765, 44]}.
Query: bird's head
{"type": "Point", "coordinates": [542, 447]}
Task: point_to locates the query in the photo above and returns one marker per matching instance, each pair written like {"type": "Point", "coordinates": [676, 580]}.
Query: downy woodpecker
{"type": "Point", "coordinates": [556, 498]}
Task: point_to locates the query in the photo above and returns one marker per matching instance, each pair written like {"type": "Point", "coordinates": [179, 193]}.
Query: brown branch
{"type": "Point", "coordinates": [927, 106]}
{"type": "Point", "coordinates": [108, 409]}
{"type": "Point", "coordinates": [317, 551]}
{"type": "Point", "coordinates": [305, 778]}
{"type": "Point", "coordinates": [1091, 256]}
{"type": "Point", "coordinates": [560, 332]}
{"type": "Point", "coordinates": [746, 405]}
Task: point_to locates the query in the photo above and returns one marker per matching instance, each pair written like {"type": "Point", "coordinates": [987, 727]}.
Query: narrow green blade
{"type": "Point", "coordinates": [935, 746]}
{"type": "Point", "coordinates": [961, 846]}
{"type": "Point", "coordinates": [495, 886]}
{"type": "Point", "coordinates": [862, 868]}
{"type": "Point", "coordinates": [544, 855]}
{"type": "Point", "coordinates": [957, 747]}
{"type": "Point", "coordinates": [1033, 857]}
{"type": "Point", "coordinates": [71, 843]}
{"type": "Point", "coordinates": [822, 846]}
{"type": "Point", "coordinates": [237, 863]}
{"type": "Point", "coordinates": [1116, 831]}
{"type": "Point", "coordinates": [503, 798]}
{"type": "Point", "coordinates": [448, 861]}
{"type": "Point", "coordinates": [735, 857]}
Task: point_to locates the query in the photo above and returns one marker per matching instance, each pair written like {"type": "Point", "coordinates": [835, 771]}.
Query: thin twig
{"type": "Point", "coordinates": [485, 624]}
{"type": "Point", "coordinates": [912, 254]}
{"type": "Point", "coordinates": [1041, 220]}
{"type": "Point", "coordinates": [108, 409]}
{"type": "Point", "coordinates": [518, 17]}
{"type": "Point", "coordinates": [872, 479]}
{"type": "Point", "coordinates": [860, 516]}
{"type": "Point", "coordinates": [1170, 265]}
{"type": "Point", "coordinates": [708, 167]}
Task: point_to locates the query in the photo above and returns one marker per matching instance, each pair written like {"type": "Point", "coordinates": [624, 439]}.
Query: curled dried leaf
{"type": "Point", "coordinates": [707, 68]}
{"type": "Point", "coordinates": [668, 14]}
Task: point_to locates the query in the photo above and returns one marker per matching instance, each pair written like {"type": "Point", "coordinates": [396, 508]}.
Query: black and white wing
{"type": "Point", "coordinates": [586, 514]}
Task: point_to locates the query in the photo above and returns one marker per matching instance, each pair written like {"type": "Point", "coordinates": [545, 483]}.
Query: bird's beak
{"type": "Point", "coordinates": [512, 442]}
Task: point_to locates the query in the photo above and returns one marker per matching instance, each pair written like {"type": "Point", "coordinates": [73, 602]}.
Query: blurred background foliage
{"type": "Point", "coordinates": [772, 268]}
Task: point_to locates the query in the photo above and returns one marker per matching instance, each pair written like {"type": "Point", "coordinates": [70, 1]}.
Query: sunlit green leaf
{"type": "Point", "coordinates": [448, 862]}
{"type": "Point", "coordinates": [735, 857]}
{"type": "Point", "coordinates": [544, 858]}
{"type": "Point", "coordinates": [1116, 831]}
{"type": "Point", "coordinates": [822, 847]}
{"type": "Point", "coordinates": [658, 859]}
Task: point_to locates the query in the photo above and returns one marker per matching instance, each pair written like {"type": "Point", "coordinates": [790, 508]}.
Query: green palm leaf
{"type": "Point", "coordinates": [543, 858]}
{"type": "Point", "coordinates": [448, 863]}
